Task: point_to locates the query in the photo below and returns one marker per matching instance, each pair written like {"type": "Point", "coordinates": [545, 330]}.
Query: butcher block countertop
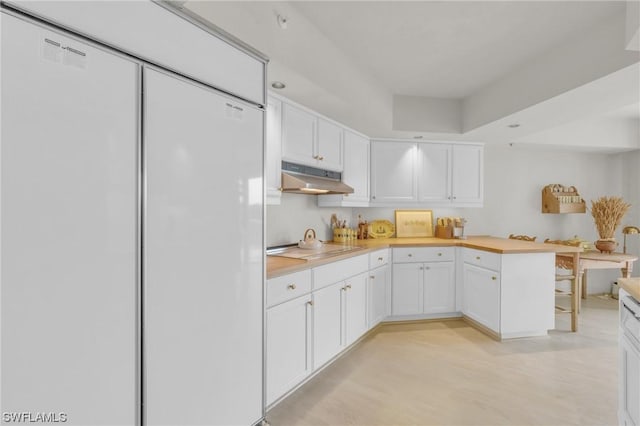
{"type": "Point", "coordinates": [631, 285]}
{"type": "Point", "coordinates": [277, 265]}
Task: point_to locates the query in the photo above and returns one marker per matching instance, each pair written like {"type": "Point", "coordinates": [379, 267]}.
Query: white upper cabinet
{"type": "Point", "coordinates": [273, 151]}
{"type": "Point", "coordinates": [328, 151]}
{"type": "Point", "coordinates": [298, 135]}
{"type": "Point", "coordinates": [467, 177]}
{"type": "Point", "coordinates": [434, 174]}
{"type": "Point", "coordinates": [310, 140]}
{"type": "Point", "coordinates": [355, 174]}
{"type": "Point", "coordinates": [393, 172]}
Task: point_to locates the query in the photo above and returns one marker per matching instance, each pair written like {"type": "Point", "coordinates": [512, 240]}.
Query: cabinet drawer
{"type": "Point", "coordinates": [287, 287]}
{"type": "Point", "coordinates": [423, 254]}
{"type": "Point", "coordinates": [484, 259]}
{"type": "Point", "coordinates": [338, 271]}
{"type": "Point", "coordinates": [378, 258]}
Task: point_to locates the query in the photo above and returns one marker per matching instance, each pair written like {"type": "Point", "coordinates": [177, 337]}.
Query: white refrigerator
{"type": "Point", "coordinates": [131, 221]}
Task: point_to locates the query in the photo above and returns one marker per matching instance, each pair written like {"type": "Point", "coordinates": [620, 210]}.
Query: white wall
{"type": "Point", "coordinates": [287, 222]}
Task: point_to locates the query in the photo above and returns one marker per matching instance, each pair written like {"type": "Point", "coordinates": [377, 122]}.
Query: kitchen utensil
{"type": "Point", "coordinates": [310, 241]}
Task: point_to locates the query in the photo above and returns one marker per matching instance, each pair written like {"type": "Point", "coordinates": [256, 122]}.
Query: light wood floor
{"type": "Point", "coordinates": [447, 373]}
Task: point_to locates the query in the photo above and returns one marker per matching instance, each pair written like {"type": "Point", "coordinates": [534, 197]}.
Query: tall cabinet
{"type": "Point", "coordinates": [202, 304]}
{"type": "Point", "coordinates": [70, 300]}
{"type": "Point", "coordinates": [120, 180]}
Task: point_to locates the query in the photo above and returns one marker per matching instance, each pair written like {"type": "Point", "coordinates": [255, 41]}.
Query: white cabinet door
{"type": "Point", "coordinates": [355, 174]}
{"type": "Point", "coordinates": [434, 177]}
{"type": "Point", "coordinates": [467, 181]}
{"type": "Point", "coordinates": [482, 296]}
{"type": "Point", "coordinates": [273, 150]}
{"type": "Point", "coordinates": [439, 287]}
{"type": "Point", "coordinates": [356, 166]}
{"type": "Point", "coordinates": [298, 135]}
{"type": "Point", "coordinates": [328, 152]}
{"type": "Point", "coordinates": [407, 292]}
{"type": "Point", "coordinates": [288, 346]}
{"type": "Point", "coordinates": [69, 227]}
{"type": "Point", "coordinates": [378, 284]}
{"type": "Point", "coordinates": [203, 306]}
{"type": "Point", "coordinates": [355, 308]}
{"type": "Point", "coordinates": [327, 323]}
{"type": "Point", "coordinates": [629, 395]}
{"type": "Point", "coordinates": [393, 172]}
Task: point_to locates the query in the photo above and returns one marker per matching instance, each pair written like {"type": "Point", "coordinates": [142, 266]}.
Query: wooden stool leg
{"type": "Point", "coordinates": [584, 285]}
{"type": "Point", "coordinates": [575, 301]}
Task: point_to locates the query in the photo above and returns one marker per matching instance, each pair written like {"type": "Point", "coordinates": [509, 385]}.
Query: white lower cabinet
{"type": "Point", "coordinates": [407, 289]}
{"type": "Point", "coordinates": [482, 296]}
{"type": "Point", "coordinates": [378, 295]}
{"type": "Point", "coordinates": [339, 317]}
{"type": "Point", "coordinates": [327, 323]}
{"type": "Point", "coordinates": [288, 346]}
{"type": "Point", "coordinates": [439, 295]}
{"type": "Point", "coordinates": [355, 308]}
{"type": "Point", "coordinates": [424, 283]}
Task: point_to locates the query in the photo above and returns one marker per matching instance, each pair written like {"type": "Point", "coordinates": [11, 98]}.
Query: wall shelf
{"type": "Point", "coordinates": [560, 199]}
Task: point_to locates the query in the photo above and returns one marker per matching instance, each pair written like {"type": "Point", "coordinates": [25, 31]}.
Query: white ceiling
{"type": "Point", "coordinates": [449, 49]}
{"type": "Point", "coordinates": [474, 65]}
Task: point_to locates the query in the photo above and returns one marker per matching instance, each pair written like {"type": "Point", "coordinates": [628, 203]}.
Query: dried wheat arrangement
{"type": "Point", "coordinates": [607, 213]}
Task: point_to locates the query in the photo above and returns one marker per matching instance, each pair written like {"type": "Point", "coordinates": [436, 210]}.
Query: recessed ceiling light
{"type": "Point", "coordinates": [513, 126]}
{"type": "Point", "coordinates": [278, 85]}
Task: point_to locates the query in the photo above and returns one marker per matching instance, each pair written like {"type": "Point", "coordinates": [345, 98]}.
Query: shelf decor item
{"type": "Point", "coordinates": [561, 199]}
{"type": "Point", "coordinates": [607, 213]}
{"type": "Point", "coordinates": [414, 223]}
{"type": "Point", "coordinates": [380, 229]}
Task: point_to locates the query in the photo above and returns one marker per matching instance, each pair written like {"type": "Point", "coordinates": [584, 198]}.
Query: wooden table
{"type": "Point", "coordinates": [597, 260]}
{"type": "Point", "coordinates": [580, 262]}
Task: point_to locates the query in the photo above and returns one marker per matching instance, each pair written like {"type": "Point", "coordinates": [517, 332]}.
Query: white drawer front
{"type": "Point", "coordinates": [423, 254]}
{"type": "Point", "coordinates": [338, 271]}
{"type": "Point", "coordinates": [484, 259]}
{"type": "Point", "coordinates": [378, 258]}
{"type": "Point", "coordinates": [288, 287]}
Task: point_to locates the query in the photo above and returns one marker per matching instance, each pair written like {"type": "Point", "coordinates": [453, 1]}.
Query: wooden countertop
{"type": "Point", "coordinates": [631, 285]}
{"type": "Point", "coordinates": [277, 265]}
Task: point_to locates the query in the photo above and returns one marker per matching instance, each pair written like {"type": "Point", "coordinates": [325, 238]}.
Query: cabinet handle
{"type": "Point", "coordinates": [422, 268]}
{"type": "Point", "coordinates": [373, 277]}
{"type": "Point", "coordinates": [477, 257]}
{"type": "Point", "coordinates": [310, 303]}
{"type": "Point", "coordinates": [321, 158]}
{"type": "Point", "coordinates": [380, 259]}
{"type": "Point", "coordinates": [427, 268]}
{"type": "Point", "coordinates": [439, 254]}
{"type": "Point", "coordinates": [494, 278]}
{"type": "Point", "coordinates": [448, 198]}
{"type": "Point", "coordinates": [410, 255]}
{"type": "Point", "coordinates": [454, 198]}
{"type": "Point", "coordinates": [348, 286]}
{"type": "Point", "coordinates": [316, 157]}
{"type": "Point", "coordinates": [291, 286]}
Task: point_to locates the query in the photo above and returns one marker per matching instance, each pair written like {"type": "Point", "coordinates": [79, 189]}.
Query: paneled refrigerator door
{"type": "Point", "coordinates": [68, 257]}
{"type": "Point", "coordinates": [203, 267]}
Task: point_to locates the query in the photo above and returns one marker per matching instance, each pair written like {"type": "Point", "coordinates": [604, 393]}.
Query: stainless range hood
{"type": "Point", "coordinates": [299, 179]}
